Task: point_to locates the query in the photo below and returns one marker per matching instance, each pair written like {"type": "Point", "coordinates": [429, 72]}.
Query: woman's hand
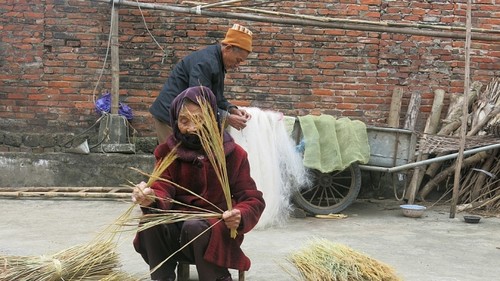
{"type": "Point", "coordinates": [232, 218]}
{"type": "Point", "coordinates": [143, 195]}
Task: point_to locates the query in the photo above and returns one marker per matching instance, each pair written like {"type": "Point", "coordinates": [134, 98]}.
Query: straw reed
{"type": "Point", "coordinates": [212, 140]}
{"type": "Point", "coordinates": [322, 260]}
{"type": "Point", "coordinates": [97, 261]}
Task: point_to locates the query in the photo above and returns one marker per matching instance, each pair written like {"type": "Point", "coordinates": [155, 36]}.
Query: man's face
{"type": "Point", "coordinates": [187, 116]}
{"type": "Point", "coordinates": [233, 56]}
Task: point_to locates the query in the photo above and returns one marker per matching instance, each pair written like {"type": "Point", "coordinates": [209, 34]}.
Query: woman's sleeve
{"type": "Point", "coordinates": [246, 197]}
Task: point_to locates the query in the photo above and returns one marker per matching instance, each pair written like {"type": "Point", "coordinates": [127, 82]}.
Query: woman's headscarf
{"type": "Point", "coordinates": [192, 94]}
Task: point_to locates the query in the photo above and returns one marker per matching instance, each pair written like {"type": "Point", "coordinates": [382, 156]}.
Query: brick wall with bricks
{"type": "Point", "coordinates": [55, 61]}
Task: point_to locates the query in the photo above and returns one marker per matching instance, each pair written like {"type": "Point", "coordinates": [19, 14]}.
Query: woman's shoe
{"type": "Point", "coordinates": [227, 278]}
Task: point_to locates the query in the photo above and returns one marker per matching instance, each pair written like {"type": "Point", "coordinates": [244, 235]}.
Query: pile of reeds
{"type": "Point", "coordinates": [479, 188]}
{"type": "Point", "coordinates": [96, 260]}
{"type": "Point", "coordinates": [322, 260]}
{"type": "Point", "coordinates": [93, 261]}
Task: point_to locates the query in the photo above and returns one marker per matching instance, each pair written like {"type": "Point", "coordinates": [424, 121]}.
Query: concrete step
{"type": "Point", "coordinates": [21, 169]}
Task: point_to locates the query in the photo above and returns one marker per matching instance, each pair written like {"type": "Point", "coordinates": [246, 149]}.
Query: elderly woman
{"type": "Point", "coordinates": [214, 251]}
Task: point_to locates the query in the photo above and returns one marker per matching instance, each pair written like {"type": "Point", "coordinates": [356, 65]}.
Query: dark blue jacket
{"type": "Point", "coordinates": [203, 67]}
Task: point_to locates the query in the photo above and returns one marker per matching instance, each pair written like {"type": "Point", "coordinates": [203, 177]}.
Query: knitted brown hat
{"type": "Point", "coordinates": [239, 36]}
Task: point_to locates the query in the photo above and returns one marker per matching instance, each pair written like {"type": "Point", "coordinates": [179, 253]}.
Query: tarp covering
{"type": "Point", "coordinates": [333, 144]}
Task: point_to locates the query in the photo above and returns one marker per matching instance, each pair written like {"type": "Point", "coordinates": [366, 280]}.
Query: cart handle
{"type": "Point", "coordinates": [428, 161]}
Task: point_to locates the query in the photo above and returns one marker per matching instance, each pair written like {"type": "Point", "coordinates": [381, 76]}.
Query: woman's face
{"type": "Point", "coordinates": [187, 116]}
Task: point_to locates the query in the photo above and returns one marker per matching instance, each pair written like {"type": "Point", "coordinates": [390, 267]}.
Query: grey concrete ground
{"type": "Point", "coordinates": [431, 248]}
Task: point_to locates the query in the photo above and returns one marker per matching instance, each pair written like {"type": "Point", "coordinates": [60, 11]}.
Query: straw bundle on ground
{"type": "Point", "coordinates": [97, 261]}
{"type": "Point", "coordinates": [322, 260]}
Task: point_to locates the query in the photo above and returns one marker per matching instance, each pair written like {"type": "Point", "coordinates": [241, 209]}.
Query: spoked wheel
{"type": "Point", "coordinates": [330, 192]}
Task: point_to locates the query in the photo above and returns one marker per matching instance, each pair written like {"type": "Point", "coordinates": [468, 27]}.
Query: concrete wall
{"type": "Point", "coordinates": [68, 170]}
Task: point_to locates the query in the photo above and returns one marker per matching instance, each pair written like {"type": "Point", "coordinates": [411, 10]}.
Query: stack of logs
{"type": "Point", "coordinates": [480, 173]}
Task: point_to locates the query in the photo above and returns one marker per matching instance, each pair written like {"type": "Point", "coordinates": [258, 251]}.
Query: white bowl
{"type": "Point", "coordinates": [413, 211]}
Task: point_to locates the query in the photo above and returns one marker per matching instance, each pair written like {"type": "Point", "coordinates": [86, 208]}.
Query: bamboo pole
{"type": "Point", "coordinates": [463, 129]}
{"type": "Point", "coordinates": [329, 19]}
{"type": "Point", "coordinates": [306, 22]}
{"type": "Point", "coordinates": [83, 195]}
{"type": "Point", "coordinates": [67, 189]}
{"type": "Point", "coordinates": [205, 5]}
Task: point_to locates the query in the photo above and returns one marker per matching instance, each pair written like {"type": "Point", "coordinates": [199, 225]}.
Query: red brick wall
{"type": "Point", "coordinates": [52, 53]}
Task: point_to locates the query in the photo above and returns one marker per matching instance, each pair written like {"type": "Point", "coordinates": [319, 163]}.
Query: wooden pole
{"type": "Point", "coordinates": [79, 195]}
{"type": "Point", "coordinates": [432, 124]}
{"type": "Point", "coordinates": [397, 96]}
{"type": "Point", "coordinates": [412, 112]}
{"type": "Point", "coordinates": [115, 62]}
{"type": "Point", "coordinates": [463, 129]}
{"type": "Point", "coordinates": [305, 22]}
{"type": "Point", "coordinates": [430, 128]}
{"type": "Point", "coordinates": [410, 122]}
{"type": "Point", "coordinates": [330, 19]}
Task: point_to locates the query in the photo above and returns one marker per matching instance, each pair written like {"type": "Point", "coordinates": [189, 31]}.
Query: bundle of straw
{"type": "Point", "coordinates": [159, 216]}
{"type": "Point", "coordinates": [212, 140]}
{"type": "Point", "coordinates": [322, 260]}
{"type": "Point", "coordinates": [96, 261]}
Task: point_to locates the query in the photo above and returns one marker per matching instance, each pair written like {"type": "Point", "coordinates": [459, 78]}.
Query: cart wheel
{"type": "Point", "coordinates": [330, 192]}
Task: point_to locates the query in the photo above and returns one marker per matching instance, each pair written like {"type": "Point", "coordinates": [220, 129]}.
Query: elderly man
{"type": "Point", "coordinates": [206, 67]}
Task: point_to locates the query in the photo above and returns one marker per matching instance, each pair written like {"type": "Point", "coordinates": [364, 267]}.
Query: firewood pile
{"type": "Point", "coordinates": [480, 175]}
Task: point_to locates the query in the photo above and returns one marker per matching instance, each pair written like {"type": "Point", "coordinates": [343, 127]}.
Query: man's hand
{"type": "Point", "coordinates": [241, 112]}
{"type": "Point", "coordinates": [232, 218]}
{"type": "Point", "coordinates": [238, 118]}
{"type": "Point", "coordinates": [143, 195]}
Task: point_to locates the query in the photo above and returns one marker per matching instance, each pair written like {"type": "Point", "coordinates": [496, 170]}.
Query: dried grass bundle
{"type": "Point", "coordinates": [212, 140]}
{"type": "Point", "coordinates": [322, 260]}
{"type": "Point", "coordinates": [166, 217]}
{"type": "Point", "coordinates": [162, 165]}
{"type": "Point", "coordinates": [159, 216]}
{"type": "Point", "coordinates": [97, 261]}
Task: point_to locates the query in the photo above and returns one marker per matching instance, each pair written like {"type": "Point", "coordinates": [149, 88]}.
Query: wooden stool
{"type": "Point", "coordinates": [183, 272]}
